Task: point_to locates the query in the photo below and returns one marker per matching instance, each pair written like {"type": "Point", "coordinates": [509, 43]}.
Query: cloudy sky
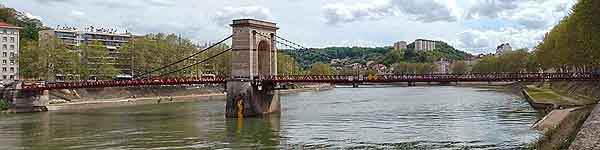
{"type": "Point", "coordinates": [475, 26]}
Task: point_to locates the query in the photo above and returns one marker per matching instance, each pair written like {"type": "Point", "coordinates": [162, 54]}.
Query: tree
{"type": "Point", "coordinates": [321, 69]}
{"type": "Point", "coordinates": [98, 62]}
{"type": "Point", "coordinates": [458, 67]}
{"type": "Point", "coordinates": [154, 51]}
{"type": "Point", "coordinates": [287, 65]}
{"type": "Point", "coordinates": [32, 61]}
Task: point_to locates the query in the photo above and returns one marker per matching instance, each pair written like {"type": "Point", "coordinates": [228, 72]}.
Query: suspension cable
{"type": "Point", "coordinates": [186, 58]}
{"type": "Point", "coordinates": [301, 49]}
{"type": "Point", "coordinates": [197, 63]}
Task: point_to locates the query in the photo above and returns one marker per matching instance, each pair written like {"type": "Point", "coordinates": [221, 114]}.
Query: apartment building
{"type": "Point", "coordinates": [400, 45]}
{"type": "Point", "coordinates": [424, 45]}
{"type": "Point", "coordinates": [107, 38]}
{"type": "Point", "coordinates": [10, 52]}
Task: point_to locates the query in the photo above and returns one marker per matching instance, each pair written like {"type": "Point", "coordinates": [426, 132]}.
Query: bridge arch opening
{"type": "Point", "coordinates": [264, 58]}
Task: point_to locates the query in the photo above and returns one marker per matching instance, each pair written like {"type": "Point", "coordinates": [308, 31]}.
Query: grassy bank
{"type": "Point", "coordinates": [558, 96]}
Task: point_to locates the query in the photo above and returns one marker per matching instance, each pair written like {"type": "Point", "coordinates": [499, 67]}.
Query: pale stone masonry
{"type": "Point", "coordinates": [10, 52]}
{"type": "Point", "coordinates": [400, 45]}
{"type": "Point", "coordinates": [424, 45]}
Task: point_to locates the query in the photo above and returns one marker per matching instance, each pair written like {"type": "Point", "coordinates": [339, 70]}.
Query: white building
{"type": "Point", "coordinates": [10, 52]}
{"type": "Point", "coordinates": [503, 48]}
{"type": "Point", "coordinates": [108, 38]}
{"type": "Point", "coordinates": [424, 45]}
{"type": "Point", "coordinates": [400, 45]}
{"type": "Point", "coordinates": [443, 66]}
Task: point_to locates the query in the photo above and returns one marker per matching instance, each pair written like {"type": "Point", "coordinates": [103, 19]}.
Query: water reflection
{"type": "Point", "coordinates": [380, 118]}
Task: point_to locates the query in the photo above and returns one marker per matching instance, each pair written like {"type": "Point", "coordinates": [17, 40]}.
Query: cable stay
{"type": "Point", "coordinates": [197, 63]}
{"type": "Point", "coordinates": [184, 59]}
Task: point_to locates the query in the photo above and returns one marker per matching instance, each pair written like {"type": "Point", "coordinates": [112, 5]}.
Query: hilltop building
{"type": "Point", "coordinates": [503, 48]}
{"type": "Point", "coordinates": [400, 45]}
{"type": "Point", "coordinates": [108, 38]}
{"type": "Point", "coordinates": [424, 45]}
{"type": "Point", "coordinates": [443, 65]}
{"type": "Point", "coordinates": [10, 51]}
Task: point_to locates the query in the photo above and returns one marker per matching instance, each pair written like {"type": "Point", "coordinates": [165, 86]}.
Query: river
{"type": "Point", "coordinates": [441, 117]}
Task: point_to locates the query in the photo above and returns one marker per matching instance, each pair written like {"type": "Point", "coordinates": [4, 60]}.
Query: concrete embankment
{"type": "Point", "coordinates": [568, 109]}
{"type": "Point", "coordinates": [588, 137]}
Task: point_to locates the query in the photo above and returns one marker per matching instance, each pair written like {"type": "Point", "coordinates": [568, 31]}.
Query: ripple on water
{"type": "Point", "coordinates": [344, 118]}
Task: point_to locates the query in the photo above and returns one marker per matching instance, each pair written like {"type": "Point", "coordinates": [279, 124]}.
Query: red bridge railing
{"type": "Point", "coordinates": [471, 77]}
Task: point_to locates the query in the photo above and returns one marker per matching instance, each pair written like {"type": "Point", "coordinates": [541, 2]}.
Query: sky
{"type": "Point", "coordinates": [475, 26]}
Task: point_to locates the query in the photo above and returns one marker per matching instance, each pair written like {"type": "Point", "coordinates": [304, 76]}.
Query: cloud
{"type": "Point", "coordinates": [427, 10]}
{"type": "Point", "coordinates": [490, 8]}
{"type": "Point", "coordinates": [227, 14]}
{"type": "Point", "coordinates": [160, 2]}
{"type": "Point", "coordinates": [342, 13]}
{"type": "Point", "coordinates": [529, 14]}
{"type": "Point", "coordinates": [31, 16]}
{"type": "Point", "coordinates": [77, 13]}
{"type": "Point", "coordinates": [422, 10]}
{"type": "Point", "coordinates": [481, 41]}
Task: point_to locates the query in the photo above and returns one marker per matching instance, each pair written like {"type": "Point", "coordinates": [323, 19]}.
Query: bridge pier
{"type": "Point", "coordinates": [254, 56]}
{"type": "Point", "coordinates": [251, 99]}
{"type": "Point", "coordinates": [28, 101]}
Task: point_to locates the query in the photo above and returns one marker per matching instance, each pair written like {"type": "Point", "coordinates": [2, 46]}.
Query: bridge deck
{"type": "Point", "coordinates": [472, 77]}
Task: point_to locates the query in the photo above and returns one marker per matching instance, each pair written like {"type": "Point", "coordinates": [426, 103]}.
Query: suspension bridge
{"type": "Point", "coordinates": [251, 87]}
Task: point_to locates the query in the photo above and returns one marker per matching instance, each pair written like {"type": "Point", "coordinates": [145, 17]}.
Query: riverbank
{"type": "Point", "coordinates": [96, 98]}
{"type": "Point", "coordinates": [567, 111]}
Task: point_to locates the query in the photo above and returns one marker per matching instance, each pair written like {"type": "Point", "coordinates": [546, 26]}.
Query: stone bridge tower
{"type": "Point", "coordinates": [254, 55]}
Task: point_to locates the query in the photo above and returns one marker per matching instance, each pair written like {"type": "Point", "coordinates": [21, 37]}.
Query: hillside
{"type": "Point", "coordinates": [384, 55]}
{"type": "Point", "coordinates": [30, 26]}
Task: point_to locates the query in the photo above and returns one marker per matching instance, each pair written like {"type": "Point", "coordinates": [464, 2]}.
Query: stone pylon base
{"type": "Point", "coordinates": [245, 99]}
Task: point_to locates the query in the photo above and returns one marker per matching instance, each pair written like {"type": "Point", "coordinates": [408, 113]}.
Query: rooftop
{"type": "Point", "coordinates": [6, 25]}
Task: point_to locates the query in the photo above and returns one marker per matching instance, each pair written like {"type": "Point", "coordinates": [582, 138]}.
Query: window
{"type": "Point", "coordinates": [4, 54]}
{"type": "Point", "coordinates": [4, 62]}
{"type": "Point", "coordinates": [12, 77]}
{"type": "Point", "coordinates": [4, 31]}
{"type": "Point", "coordinates": [12, 54]}
{"type": "Point", "coordinates": [4, 39]}
{"type": "Point", "coordinates": [12, 47]}
{"type": "Point", "coordinates": [4, 47]}
{"type": "Point", "coordinates": [12, 70]}
{"type": "Point", "coordinates": [4, 69]}
{"type": "Point", "coordinates": [12, 39]}
{"type": "Point", "coordinates": [4, 77]}
{"type": "Point", "coordinates": [12, 62]}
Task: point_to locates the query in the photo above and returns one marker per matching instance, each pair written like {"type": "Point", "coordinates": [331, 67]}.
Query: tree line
{"type": "Point", "coordinates": [573, 44]}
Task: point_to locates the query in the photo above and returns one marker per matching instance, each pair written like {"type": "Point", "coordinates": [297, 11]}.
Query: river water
{"type": "Point", "coordinates": [342, 118]}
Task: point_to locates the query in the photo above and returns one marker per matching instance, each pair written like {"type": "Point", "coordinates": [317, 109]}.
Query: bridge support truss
{"type": "Point", "coordinates": [254, 56]}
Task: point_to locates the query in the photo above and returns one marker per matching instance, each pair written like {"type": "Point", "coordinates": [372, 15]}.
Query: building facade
{"type": "Point", "coordinates": [424, 45]}
{"type": "Point", "coordinates": [108, 39]}
{"type": "Point", "coordinates": [443, 65]}
{"type": "Point", "coordinates": [503, 48]}
{"type": "Point", "coordinates": [10, 52]}
{"type": "Point", "coordinates": [400, 45]}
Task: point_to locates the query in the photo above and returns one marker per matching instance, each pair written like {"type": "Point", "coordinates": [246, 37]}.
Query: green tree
{"type": "Point", "coordinates": [287, 65]}
{"type": "Point", "coordinates": [321, 69]}
{"type": "Point", "coordinates": [458, 67]}
{"type": "Point", "coordinates": [98, 62]}
{"type": "Point", "coordinates": [33, 61]}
